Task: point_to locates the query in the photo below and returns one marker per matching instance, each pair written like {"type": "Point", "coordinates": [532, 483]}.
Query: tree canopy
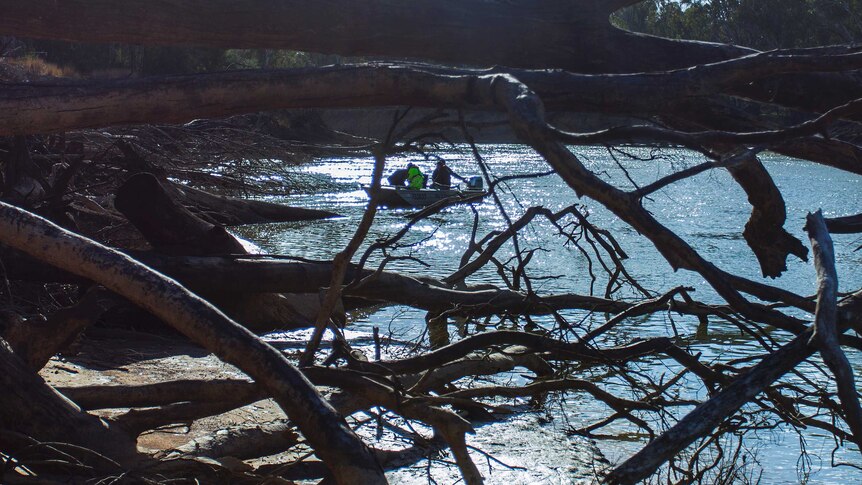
{"type": "Point", "coordinates": [762, 25]}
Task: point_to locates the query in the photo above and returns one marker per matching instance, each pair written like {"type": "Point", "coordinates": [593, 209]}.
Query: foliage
{"type": "Point", "coordinates": [761, 24]}
{"type": "Point", "coordinates": [113, 60]}
{"type": "Point", "coordinates": [29, 67]}
{"type": "Point", "coordinates": [80, 57]}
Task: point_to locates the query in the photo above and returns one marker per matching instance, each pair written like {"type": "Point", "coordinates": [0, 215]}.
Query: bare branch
{"type": "Point", "coordinates": [826, 322]}
{"type": "Point", "coordinates": [200, 321]}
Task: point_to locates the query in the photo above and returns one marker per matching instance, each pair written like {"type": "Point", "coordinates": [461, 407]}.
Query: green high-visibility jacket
{"type": "Point", "coordinates": [415, 178]}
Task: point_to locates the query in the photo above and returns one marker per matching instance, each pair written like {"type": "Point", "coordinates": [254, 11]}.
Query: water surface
{"type": "Point", "coordinates": [709, 211]}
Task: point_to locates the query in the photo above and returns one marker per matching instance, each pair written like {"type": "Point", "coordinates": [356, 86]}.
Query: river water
{"type": "Point", "coordinates": [709, 211]}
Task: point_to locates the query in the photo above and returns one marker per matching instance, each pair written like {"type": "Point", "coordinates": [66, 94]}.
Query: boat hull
{"type": "Point", "coordinates": [404, 197]}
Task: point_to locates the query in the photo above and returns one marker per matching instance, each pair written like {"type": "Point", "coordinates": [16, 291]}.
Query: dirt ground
{"type": "Point", "coordinates": [523, 449]}
{"type": "Point", "coordinates": [126, 358]}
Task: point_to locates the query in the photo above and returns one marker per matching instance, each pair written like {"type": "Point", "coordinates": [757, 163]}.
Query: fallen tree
{"type": "Point", "coordinates": [472, 32]}
{"type": "Point", "coordinates": [725, 102]}
{"type": "Point", "coordinates": [200, 322]}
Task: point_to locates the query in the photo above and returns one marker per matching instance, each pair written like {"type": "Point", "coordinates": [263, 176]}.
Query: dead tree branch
{"type": "Point", "coordinates": [201, 322]}
{"type": "Point", "coordinates": [826, 332]}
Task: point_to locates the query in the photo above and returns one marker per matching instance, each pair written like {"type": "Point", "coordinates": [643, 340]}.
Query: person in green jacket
{"type": "Point", "coordinates": [415, 178]}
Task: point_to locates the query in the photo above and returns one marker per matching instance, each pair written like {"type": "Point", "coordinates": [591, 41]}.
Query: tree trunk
{"type": "Point", "coordinates": [689, 94]}
{"type": "Point", "coordinates": [332, 439]}
{"type": "Point", "coordinates": [575, 36]}
{"type": "Point", "coordinates": [34, 409]}
{"type": "Point", "coordinates": [231, 211]}
{"type": "Point", "coordinates": [172, 229]}
{"type": "Point", "coordinates": [169, 227]}
{"type": "Point", "coordinates": [211, 208]}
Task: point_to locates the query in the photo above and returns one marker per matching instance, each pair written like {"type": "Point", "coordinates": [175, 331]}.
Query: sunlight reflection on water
{"type": "Point", "coordinates": [709, 211]}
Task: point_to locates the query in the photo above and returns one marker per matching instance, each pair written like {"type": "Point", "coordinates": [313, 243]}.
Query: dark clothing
{"type": "Point", "coordinates": [442, 177]}
{"type": "Point", "coordinates": [398, 177]}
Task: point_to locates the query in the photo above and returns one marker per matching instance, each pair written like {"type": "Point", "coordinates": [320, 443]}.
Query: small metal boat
{"type": "Point", "coordinates": [404, 197]}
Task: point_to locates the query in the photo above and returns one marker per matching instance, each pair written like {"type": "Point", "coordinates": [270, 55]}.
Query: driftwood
{"type": "Point", "coordinates": [36, 343]}
{"type": "Point", "coordinates": [244, 442]}
{"type": "Point", "coordinates": [231, 211]}
{"type": "Point", "coordinates": [136, 421]}
{"type": "Point", "coordinates": [707, 97]}
{"type": "Point", "coordinates": [172, 229]}
{"type": "Point", "coordinates": [34, 409]}
{"type": "Point", "coordinates": [320, 424]}
{"type": "Point", "coordinates": [826, 332]}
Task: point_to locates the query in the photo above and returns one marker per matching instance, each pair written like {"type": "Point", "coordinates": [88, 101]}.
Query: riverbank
{"type": "Point", "coordinates": [524, 447]}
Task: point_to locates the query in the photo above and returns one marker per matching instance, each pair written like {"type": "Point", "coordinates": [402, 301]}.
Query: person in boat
{"type": "Point", "coordinates": [398, 177]}
{"type": "Point", "coordinates": [442, 176]}
{"type": "Point", "coordinates": [415, 177]}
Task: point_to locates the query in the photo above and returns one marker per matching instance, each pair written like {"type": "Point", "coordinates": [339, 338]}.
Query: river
{"type": "Point", "coordinates": [709, 211]}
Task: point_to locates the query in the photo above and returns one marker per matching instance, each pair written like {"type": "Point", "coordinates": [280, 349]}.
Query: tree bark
{"type": "Point", "coordinates": [826, 333]}
{"type": "Point", "coordinates": [169, 227]}
{"type": "Point", "coordinates": [244, 442]}
{"type": "Point", "coordinates": [576, 36]}
{"type": "Point", "coordinates": [330, 436]}
{"type": "Point", "coordinates": [31, 407]}
{"type": "Point", "coordinates": [764, 232]}
{"type": "Point", "coordinates": [172, 229]}
{"type": "Point", "coordinates": [247, 275]}
{"type": "Point", "coordinates": [34, 108]}
{"type": "Point", "coordinates": [231, 211]}
{"type": "Point", "coordinates": [36, 342]}
{"type": "Point", "coordinates": [160, 394]}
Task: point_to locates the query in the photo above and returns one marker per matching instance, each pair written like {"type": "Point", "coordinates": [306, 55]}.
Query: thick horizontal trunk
{"type": "Point", "coordinates": [178, 99]}
{"type": "Point", "coordinates": [45, 108]}
{"type": "Point", "coordinates": [265, 275]}
{"type": "Point", "coordinates": [576, 36]}
{"type": "Point", "coordinates": [268, 275]}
